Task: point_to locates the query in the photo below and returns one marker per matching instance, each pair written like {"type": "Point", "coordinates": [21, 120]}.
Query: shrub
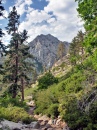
{"type": "Point", "coordinates": [53, 110]}
{"type": "Point", "coordinates": [5, 101]}
{"type": "Point", "coordinates": [46, 80]}
{"type": "Point", "coordinates": [15, 114]}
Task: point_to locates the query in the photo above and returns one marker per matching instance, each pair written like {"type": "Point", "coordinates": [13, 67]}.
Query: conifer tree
{"type": "Point", "coordinates": [17, 65]}
{"type": "Point", "coordinates": [12, 29]}
{"type": "Point", "coordinates": [61, 50]}
{"type": "Point", "coordinates": [25, 66]}
{"type": "Point", "coordinates": [77, 49]}
{"type": "Point", "coordinates": [80, 39]}
{"type": "Point", "coordinates": [2, 46]}
{"type": "Point", "coordinates": [73, 51]}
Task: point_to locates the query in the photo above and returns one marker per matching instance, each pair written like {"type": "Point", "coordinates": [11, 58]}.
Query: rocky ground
{"type": "Point", "coordinates": [42, 122]}
{"type": "Point", "coordinates": [46, 123]}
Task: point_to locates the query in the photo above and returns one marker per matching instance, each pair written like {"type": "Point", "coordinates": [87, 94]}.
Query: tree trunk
{"type": "Point", "coordinates": [14, 94]}
{"type": "Point", "coordinates": [22, 88]}
{"type": "Point", "coordinates": [16, 73]}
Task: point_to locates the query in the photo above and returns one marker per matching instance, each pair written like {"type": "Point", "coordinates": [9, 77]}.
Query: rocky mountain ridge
{"type": "Point", "coordinates": [44, 49]}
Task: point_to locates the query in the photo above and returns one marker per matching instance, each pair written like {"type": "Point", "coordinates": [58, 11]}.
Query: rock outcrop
{"type": "Point", "coordinates": [44, 49]}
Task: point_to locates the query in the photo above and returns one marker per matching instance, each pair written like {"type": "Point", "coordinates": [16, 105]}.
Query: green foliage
{"type": "Point", "coordinates": [88, 12]}
{"type": "Point", "coordinates": [15, 114]}
{"type": "Point", "coordinates": [5, 101]}
{"type": "Point", "coordinates": [61, 50]}
{"type": "Point", "coordinates": [76, 49]}
{"type": "Point", "coordinates": [46, 80]}
{"type": "Point", "coordinates": [63, 98]}
{"type": "Point", "coordinates": [17, 66]}
{"type": "Point", "coordinates": [53, 110]}
{"type": "Point", "coordinates": [69, 111]}
{"type": "Point", "coordinates": [14, 110]}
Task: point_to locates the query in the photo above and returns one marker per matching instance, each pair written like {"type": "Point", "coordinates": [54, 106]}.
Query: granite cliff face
{"type": "Point", "coordinates": [44, 49]}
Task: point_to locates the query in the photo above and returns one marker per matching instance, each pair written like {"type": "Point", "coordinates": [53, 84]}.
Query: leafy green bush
{"type": "Point", "coordinates": [15, 114]}
{"type": "Point", "coordinates": [53, 110]}
{"type": "Point", "coordinates": [5, 101]}
{"type": "Point", "coordinates": [46, 80]}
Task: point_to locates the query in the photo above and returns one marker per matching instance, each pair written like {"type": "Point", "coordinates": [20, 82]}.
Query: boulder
{"type": "Point", "coordinates": [58, 121]}
{"type": "Point", "coordinates": [50, 122]}
{"type": "Point", "coordinates": [31, 103]}
{"type": "Point", "coordinates": [37, 116]}
{"type": "Point", "coordinates": [11, 125]}
{"type": "Point", "coordinates": [47, 126]}
{"type": "Point", "coordinates": [44, 118]}
{"type": "Point", "coordinates": [35, 125]}
{"type": "Point", "coordinates": [43, 123]}
{"type": "Point", "coordinates": [1, 126]}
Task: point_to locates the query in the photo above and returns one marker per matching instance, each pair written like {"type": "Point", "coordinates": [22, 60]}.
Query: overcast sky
{"type": "Point", "coordinates": [56, 17]}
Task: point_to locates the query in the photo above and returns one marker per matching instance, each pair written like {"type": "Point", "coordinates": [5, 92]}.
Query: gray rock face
{"type": "Point", "coordinates": [9, 125]}
{"type": "Point", "coordinates": [44, 49]}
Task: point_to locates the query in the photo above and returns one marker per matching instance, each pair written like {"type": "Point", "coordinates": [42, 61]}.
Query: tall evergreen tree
{"type": "Point", "coordinates": [1, 8]}
{"type": "Point", "coordinates": [2, 46]}
{"type": "Point", "coordinates": [12, 29]}
{"type": "Point", "coordinates": [25, 66]}
{"type": "Point", "coordinates": [16, 65]}
{"type": "Point", "coordinates": [77, 49]}
{"type": "Point", "coordinates": [61, 50]}
{"type": "Point", "coordinates": [80, 39]}
{"type": "Point", "coordinates": [73, 51]}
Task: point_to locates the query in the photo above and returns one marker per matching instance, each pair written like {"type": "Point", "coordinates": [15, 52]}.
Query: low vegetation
{"type": "Point", "coordinates": [14, 110]}
{"type": "Point", "coordinates": [72, 97]}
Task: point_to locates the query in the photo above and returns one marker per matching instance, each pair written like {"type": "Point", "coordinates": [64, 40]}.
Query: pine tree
{"type": "Point", "coordinates": [80, 40]}
{"type": "Point", "coordinates": [25, 66]}
{"type": "Point", "coordinates": [61, 50]}
{"type": "Point", "coordinates": [12, 29]}
{"type": "Point", "coordinates": [77, 49]}
{"type": "Point", "coordinates": [2, 46]}
{"type": "Point", "coordinates": [17, 65]}
{"type": "Point", "coordinates": [1, 8]}
{"type": "Point", "coordinates": [73, 51]}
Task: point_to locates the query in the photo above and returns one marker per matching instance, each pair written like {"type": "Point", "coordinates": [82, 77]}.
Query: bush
{"type": "Point", "coordinates": [15, 114]}
{"type": "Point", "coordinates": [46, 80]}
{"type": "Point", "coordinates": [5, 101]}
{"type": "Point", "coordinates": [53, 110]}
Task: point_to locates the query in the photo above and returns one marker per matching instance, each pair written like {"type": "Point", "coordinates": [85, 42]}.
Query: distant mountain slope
{"type": "Point", "coordinates": [44, 49]}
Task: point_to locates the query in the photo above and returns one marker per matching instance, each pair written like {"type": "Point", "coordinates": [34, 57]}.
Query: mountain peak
{"type": "Point", "coordinates": [45, 36]}
{"type": "Point", "coordinates": [44, 49]}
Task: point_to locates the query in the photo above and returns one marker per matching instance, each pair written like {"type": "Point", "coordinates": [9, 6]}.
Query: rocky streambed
{"type": "Point", "coordinates": [42, 123]}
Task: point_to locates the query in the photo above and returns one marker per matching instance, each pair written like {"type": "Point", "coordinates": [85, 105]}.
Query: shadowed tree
{"type": "Point", "coordinates": [76, 48]}
{"type": "Point", "coordinates": [61, 50]}
{"type": "Point", "coordinates": [17, 65]}
{"type": "Point", "coordinates": [2, 46]}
